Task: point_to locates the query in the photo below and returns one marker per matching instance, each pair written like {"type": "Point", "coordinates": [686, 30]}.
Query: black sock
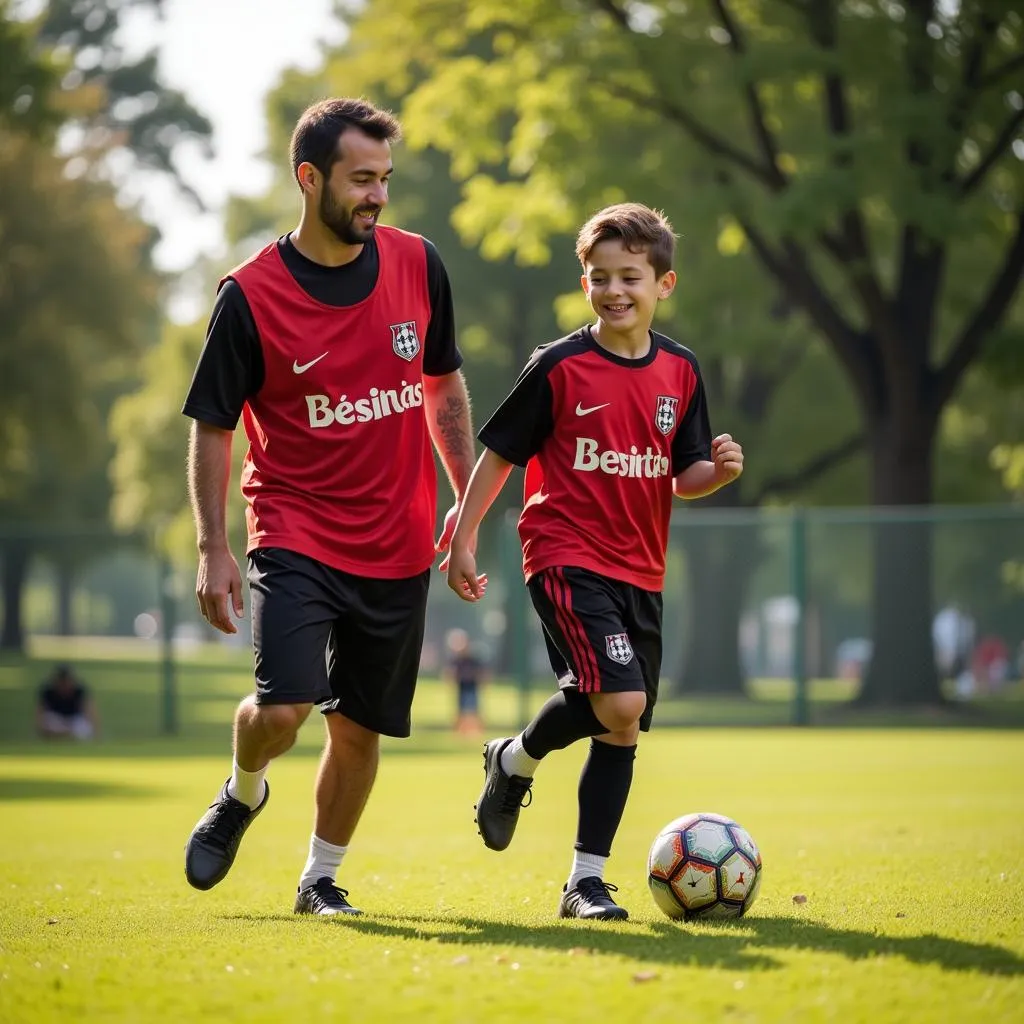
{"type": "Point", "coordinates": [604, 788]}
{"type": "Point", "coordinates": [564, 719]}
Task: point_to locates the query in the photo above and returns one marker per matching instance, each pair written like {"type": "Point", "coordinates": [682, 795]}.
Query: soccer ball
{"type": "Point", "coordinates": [704, 866]}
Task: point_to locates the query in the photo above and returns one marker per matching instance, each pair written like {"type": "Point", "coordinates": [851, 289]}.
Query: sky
{"type": "Point", "coordinates": [225, 55]}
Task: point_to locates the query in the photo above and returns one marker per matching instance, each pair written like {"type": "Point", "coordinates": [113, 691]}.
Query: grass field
{"type": "Point", "coordinates": [907, 844]}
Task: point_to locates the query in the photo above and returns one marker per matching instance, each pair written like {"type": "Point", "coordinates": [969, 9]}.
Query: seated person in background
{"type": "Point", "coordinates": [466, 670]}
{"type": "Point", "coordinates": [65, 708]}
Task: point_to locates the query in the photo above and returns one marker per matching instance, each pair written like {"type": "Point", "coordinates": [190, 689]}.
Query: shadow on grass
{"type": "Point", "coordinates": [740, 945]}
{"type": "Point", "coordinates": [68, 789]}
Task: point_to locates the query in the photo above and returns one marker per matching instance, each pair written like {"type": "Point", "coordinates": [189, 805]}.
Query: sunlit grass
{"type": "Point", "coordinates": [906, 842]}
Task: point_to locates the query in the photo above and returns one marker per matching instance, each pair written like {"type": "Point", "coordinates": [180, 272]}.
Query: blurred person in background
{"type": "Point", "coordinates": [335, 346]}
{"type": "Point", "coordinates": [65, 708]}
{"type": "Point", "coordinates": [467, 671]}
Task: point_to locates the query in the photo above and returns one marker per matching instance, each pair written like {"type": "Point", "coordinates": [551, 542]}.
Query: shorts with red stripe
{"type": "Point", "coordinates": [602, 635]}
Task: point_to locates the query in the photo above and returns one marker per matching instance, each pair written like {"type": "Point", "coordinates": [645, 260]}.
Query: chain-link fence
{"type": "Point", "coordinates": [774, 616]}
{"type": "Point", "coordinates": [771, 617]}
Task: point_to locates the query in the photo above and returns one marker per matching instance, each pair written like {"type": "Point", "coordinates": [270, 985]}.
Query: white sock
{"type": "Point", "coordinates": [585, 865]}
{"type": "Point", "coordinates": [324, 860]}
{"type": "Point", "coordinates": [516, 761]}
{"type": "Point", "coordinates": [247, 787]}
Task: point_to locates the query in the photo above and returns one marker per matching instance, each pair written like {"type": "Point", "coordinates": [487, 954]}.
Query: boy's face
{"type": "Point", "coordinates": [622, 287]}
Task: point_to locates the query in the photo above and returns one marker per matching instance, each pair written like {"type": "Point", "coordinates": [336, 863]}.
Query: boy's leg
{"type": "Point", "coordinates": [580, 612]}
{"type": "Point", "coordinates": [607, 775]}
{"type": "Point", "coordinates": [605, 782]}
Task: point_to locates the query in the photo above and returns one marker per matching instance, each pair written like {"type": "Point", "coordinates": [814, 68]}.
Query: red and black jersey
{"type": "Point", "coordinates": [339, 466]}
{"type": "Point", "coordinates": [601, 437]}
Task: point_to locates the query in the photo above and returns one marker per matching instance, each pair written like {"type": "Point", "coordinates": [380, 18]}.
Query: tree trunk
{"type": "Point", "coordinates": [716, 582]}
{"type": "Point", "coordinates": [720, 561]}
{"type": "Point", "coordinates": [65, 593]}
{"type": "Point", "coordinates": [16, 557]}
{"type": "Point", "coordinates": [902, 670]}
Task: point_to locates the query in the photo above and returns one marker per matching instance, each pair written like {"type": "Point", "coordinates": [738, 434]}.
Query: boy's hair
{"type": "Point", "coordinates": [315, 138]}
{"type": "Point", "coordinates": [639, 228]}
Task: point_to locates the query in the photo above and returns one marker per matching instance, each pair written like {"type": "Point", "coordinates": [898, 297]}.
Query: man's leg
{"type": "Point", "coordinates": [347, 772]}
{"type": "Point", "coordinates": [262, 732]}
{"type": "Point", "coordinates": [293, 608]}
{"type": "Point", "coordinates": [373, 685]}
{"type": "Point", "coordinates": [348, 768]}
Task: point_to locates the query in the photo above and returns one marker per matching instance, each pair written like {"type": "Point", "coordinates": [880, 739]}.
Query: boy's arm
{"type": "Point", "coordinates": [702, 478]}
{"type": "Point", "coordinates": [489, 476]}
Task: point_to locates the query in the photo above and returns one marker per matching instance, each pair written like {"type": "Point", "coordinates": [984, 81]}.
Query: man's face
{"type": "Point", "coordinates": [621, 285]}
{"type": "Point", "coordinates": [357, 190]}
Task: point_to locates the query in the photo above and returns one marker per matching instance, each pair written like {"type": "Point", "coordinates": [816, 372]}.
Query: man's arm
{"type": "Point", "coordinates": [209, 471]}
{"type": "Point", "coordinates": [446, 403]}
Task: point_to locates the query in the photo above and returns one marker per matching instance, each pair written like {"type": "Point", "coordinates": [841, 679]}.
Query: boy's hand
{"type": "Point", "coordinates": [727, 455]}
{"type": "Point", "coordinates": [462, 577]}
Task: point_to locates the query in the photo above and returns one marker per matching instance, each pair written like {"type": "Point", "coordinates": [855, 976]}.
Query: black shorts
{"type": "Point", "coordinates": [602, 635]}
{"type": "Point", "coordinates": [348, 643]}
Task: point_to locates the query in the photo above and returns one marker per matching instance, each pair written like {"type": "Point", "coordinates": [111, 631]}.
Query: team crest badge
{"type": "Point", "coordinates": [405, 341]}
{"type": "Point", "coordinates": [665, 413]}
{"type": "Point", "coordinates": [618, 648]}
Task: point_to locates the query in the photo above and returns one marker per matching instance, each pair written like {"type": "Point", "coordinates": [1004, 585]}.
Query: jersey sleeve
{"type": "Point", "coordinates": [230, 367]}
{"type": "Point", "coordinates": [525, 419]}
{"type": "Point", "coordinates": [692, 441]}
{"type": "Point", "coordinates": [440, 353]}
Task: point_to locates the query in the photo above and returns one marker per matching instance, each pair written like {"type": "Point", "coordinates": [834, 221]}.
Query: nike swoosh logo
{"type": "Point", "coordinates": [580, 411]}
{"type": "Point", "coordinates": [302, 368]}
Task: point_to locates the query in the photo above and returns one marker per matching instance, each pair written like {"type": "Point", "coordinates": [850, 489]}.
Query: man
{"type": "Point", "coordinates": [65, 708]}
{"type": "Point", "coordinates": [336, 346]}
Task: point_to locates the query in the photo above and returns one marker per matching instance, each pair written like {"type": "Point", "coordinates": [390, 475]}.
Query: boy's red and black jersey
{"type": "Point", "coordinates": [601, 438]}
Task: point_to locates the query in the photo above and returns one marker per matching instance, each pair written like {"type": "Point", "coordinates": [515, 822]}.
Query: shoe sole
{"type": "Point", "coordinates": [340, 913]}
{"type": "Point", "coordinates": [624, 916]}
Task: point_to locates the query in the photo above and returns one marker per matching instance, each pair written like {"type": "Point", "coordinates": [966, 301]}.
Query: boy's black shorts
{"type": "Point", "coordinates": [602, 635]}
{"type": "Point", "coordinates": [349, 643]}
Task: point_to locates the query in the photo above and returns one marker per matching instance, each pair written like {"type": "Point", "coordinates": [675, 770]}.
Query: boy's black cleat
{"type": "Point", "coordinates": [591, 898]}
{"type": "Point", "coordinates": [324, 897]}
{"type": "Point", "coordinates": [210, 850]}
{"type": "Point", "coordinates": [503, 796]}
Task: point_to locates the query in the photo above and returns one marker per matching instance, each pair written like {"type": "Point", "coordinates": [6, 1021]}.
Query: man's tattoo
{"type": "Point", "coordinates": [453, 423]}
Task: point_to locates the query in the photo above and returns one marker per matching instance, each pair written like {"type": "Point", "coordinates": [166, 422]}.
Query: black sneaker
{"type": "Point", "coordinates": [503, 796]}
{"type": "Point", "coordinates": [324, 897]}
{"type": "Point", "coordinates": [591, 898]}
{"type": "Point", "coordinates": [210, 850]}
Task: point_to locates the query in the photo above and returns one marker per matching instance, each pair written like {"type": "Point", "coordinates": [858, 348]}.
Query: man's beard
{"type": "Point", "coordinates": [341, 223]}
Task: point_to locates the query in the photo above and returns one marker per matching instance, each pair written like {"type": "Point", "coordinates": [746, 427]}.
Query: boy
{"type": "Point", "coordinates": [609, 422]}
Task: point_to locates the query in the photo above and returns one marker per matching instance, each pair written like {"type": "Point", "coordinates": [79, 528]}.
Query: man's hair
{"type": "Point", "coordinates": [638, 227]}
{"type": "Point", "coordinates": [315, 139]}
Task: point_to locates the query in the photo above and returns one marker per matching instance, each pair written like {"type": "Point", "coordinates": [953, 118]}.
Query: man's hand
{"type": "Point", "coordinates": [727, 455]}
{"type": "Point", "coordinates": [444, 541]}
{"type": "Point", "coordinates": [217, 582]}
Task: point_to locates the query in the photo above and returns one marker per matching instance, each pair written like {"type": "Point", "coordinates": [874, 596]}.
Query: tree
{"type": "Point", "coordinates": [27, 78]}
{"type": "Point", "coordinates": [113, 103]}
{"type": "Point", "coordinates": [65, 238]}
{"type": "Point", "coordinates": [862, 157]}
{"type": "Point", "coordinates": [68, 233]}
